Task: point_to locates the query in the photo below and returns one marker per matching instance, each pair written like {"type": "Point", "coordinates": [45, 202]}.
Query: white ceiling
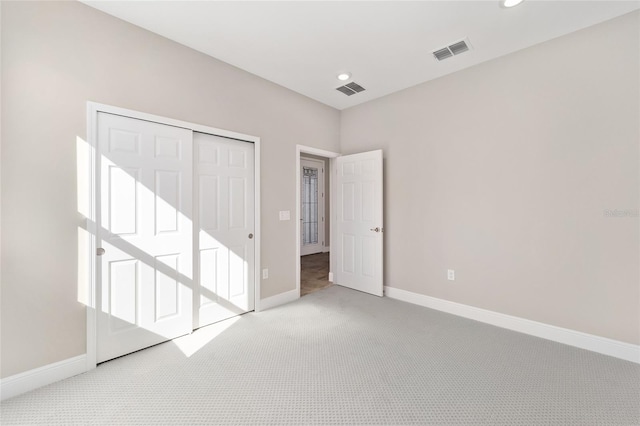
{"type": "Point", "coordinates": [386, 46]}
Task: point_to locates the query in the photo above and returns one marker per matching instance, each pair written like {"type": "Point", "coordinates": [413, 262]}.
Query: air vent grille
{"type": "Point", "coordinates": [459, 47]}
{"type": "Point", "coordinates": [346, 90]}
{"type": "Point", "coordinates": [355, 87]}
{"type": "Point", "coordinates": [452, 50]}
{"type": "Point", "coordinates": [350, 89]}
{"type": "Point", "coordinates": [442, 54]}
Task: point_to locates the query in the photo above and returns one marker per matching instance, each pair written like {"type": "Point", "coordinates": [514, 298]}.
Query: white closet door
{"type": "Point", "coordinates": [144, 226]}
{"type": "Point", "coordinates": [359, 245]}
{"type": "Point", "coordinates": [225, 188]}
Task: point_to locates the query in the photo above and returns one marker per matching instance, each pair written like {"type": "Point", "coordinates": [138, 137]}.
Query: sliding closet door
{"type": "Point", "coordinates": [144, 234]}
{"type": "Point", "coordinates": [225, 232]}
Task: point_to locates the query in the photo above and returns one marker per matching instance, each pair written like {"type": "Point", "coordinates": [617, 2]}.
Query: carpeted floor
{"type": "Point", "coordinates": [314, 273]}
{"type": "Point", "coordinates": [340, 357]}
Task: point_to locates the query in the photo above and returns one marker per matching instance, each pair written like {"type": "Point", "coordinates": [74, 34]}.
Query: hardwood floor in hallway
{"type": "Point", "coordinates": [314, 273]}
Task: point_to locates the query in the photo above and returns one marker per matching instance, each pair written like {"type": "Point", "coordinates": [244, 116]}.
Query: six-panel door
{"type": "Point", "coordinates": [145, 228]}
{"type": "Point", "coordinates": [225, 202]}
{"type": "Point", "coordinates": [359, 245]}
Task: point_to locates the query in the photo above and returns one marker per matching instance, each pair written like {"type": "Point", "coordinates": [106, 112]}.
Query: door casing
{"type": "Point", "coordinates": [88, 191]}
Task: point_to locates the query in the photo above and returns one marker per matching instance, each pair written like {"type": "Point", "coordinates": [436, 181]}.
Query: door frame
{"type": "Point", "coordinates": [302, 149]}
{"type": "Point", "coordinates": [321, 202]}
{"type": "Point", "coordinates": [87, 203]}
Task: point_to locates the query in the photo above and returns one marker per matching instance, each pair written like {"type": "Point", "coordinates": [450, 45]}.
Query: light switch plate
{"type": "Point", "coordinates": [285, 215]}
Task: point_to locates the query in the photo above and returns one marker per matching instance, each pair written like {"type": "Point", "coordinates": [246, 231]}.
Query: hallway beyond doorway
{"type": "Point", "coordinates": [314, 273]}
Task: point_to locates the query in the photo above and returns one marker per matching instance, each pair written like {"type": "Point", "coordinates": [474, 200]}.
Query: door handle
{"type": "Point", "coordinates": [250, 236]}
{"type": "Point", "coordinates": [376, 229]}
{"type": "Point", "coordinates": [100, 251]}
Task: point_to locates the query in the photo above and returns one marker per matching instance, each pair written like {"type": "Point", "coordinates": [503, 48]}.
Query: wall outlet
{"type": "Point", "coordinates": [451, 275]}
{"type": "Point", "coordinates": [265, 274]}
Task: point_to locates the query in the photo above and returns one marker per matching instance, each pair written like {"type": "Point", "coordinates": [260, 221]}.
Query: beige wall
{"type": "Point", "coordinates": [503, 173]}
{"type": "Point", "coordinates": [55, 57]}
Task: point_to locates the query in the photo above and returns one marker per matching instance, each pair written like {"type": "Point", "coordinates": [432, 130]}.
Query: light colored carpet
{"type": "Point", "coordinates": [338, 357]}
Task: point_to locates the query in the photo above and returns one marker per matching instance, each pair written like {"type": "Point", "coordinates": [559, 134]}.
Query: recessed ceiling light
{"type": "Point", "coordinates": [344, 76]}
{"type": "Point", "coordinates": [511, 3]}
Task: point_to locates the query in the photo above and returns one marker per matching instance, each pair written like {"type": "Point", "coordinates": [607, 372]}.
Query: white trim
{"type": "Point", "coordinates": [602, 345]}
{"type": "Point", "coordinates": [93, 109]}
{"type": "Point", "coordinates": [326, 249]}
{"type": "Point", "coordinates": [330, 277]}
{"type": "Point", "coordinates": [300, 149]}
{"type": "Point", "coordinates": [92, 270]}
{"type": "Point", "coordinates": [42, 376]}
{"type": "Point", "coordinates": [257, 280]}
{"type": "Point", "coordinates": [279, 299]}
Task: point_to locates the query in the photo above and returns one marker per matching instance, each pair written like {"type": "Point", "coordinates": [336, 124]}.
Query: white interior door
{"type": "Point", "coordinates": [225, 188]}
{"type": "Point", "coordinates": [359, 226]}
{"type": "Point", "coordinates": [312, 206]}
{"type": "Point", "coordinates": [144, 227]}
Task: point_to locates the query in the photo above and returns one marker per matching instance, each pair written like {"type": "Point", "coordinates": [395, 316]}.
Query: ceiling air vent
{"type": "Point", "coordinates": [350, 89]}
{"type": "Point", "coordinates": [451, 50]}
{"type": "Point", "coordinates": [442, 54]}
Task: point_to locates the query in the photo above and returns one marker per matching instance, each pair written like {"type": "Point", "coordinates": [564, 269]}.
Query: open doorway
{"type": "Point", "coordinates": [355, 244]}
{"type": "Point", "coordinates": [313, 219]}
{"type": "Point", "coordinates": [314, 223]}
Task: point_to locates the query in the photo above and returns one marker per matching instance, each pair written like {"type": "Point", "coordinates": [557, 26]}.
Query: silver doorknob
{"type": "Point", "coordinates": [100, 251]}
{"type": "Point", "coordinates": [250, 236]}
{"type": "Point", "coordinates": [376, 229]}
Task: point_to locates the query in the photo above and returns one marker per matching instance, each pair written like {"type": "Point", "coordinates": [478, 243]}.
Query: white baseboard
{"type": "Point", "coordinates": [603, 345]}
{"type": "Point", "coordinates": [326, 249]}
{"type": "Point", "coordinates": [42, 376]}
{"type": "Point", "coordinates": [279, 299]}
{"type": "Point", "coordinates": [330, 277]}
